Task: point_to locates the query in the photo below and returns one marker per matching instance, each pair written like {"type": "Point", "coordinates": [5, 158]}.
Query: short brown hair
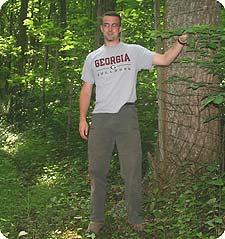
{"type": "Point", "coordinates": [113, 14]}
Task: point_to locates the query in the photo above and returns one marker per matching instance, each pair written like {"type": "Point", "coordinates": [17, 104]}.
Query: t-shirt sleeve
{"type": "Point", "coordinates": [87, 73]}
{"type": "Point", "coordinates": [144, 58]}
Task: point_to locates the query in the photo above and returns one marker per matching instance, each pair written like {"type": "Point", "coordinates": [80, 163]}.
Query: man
{"type": "Point", "coordinates": [113, 69]}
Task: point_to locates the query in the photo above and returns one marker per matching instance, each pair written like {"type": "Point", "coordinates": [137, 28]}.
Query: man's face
{"type": "Point", "coordinates": [111, 28]}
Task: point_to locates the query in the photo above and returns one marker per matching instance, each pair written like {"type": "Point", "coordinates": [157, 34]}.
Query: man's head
{"type": "Point", "coordinates": [112, 14]}
{"type": "Point", "coordinates": [111, 27]}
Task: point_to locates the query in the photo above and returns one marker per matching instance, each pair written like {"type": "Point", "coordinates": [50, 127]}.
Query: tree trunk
{"type": "Point", "coordinates": [22, 37]}
{"type": "Point", "coordinates": [161, 86]}
{"type": "Point", "coordinates": [183, 135]}
{"type": "Point", "coordinates": [63, 23]}
{"type": "Point", "coordinates": [46, 66]}
{"type": "Point", "coordinates": [70, 105]}
{"type": "Point", "coordinates": [45, 69]}
{"type": "Point", "coordinates": [63, 13]}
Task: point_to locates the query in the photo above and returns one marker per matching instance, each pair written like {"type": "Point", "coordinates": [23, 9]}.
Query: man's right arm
{"type": "Point", "coordinates": [85, 98]}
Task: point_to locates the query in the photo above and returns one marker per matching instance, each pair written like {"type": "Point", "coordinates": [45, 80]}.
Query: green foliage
{"type": "Point", "coordinates": [44, 190]}
{"type": "Point", "coordinates": [218, 99]}
{"type": "Point", "coordinates": [147, 111]}
{"type": "Point", "coordinates": [43, 172]}
{"type": "Point", "coordinates": [39, 149]}
{"type": "Point", "coordinates": [53, 201]}
{"type": "Point", "coordinates": [137, 22]}
{"type": "Point", "coordinates": [194, 209]}
{"type": "Point", "coordinates": [7, 47]}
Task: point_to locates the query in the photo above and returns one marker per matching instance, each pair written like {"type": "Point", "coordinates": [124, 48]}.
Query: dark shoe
{"type": "Point", "coordinates": [95, 227]}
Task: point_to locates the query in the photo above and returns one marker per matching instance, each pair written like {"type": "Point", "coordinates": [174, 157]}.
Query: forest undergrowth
{"type": "Point", "coordinates": [45, 194]}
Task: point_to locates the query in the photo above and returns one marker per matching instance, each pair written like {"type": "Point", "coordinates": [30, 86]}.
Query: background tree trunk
{"type": "Point", "coordinates": [45, 69]}
{"type": "Point", "coordinates": [183, 135]}
{"type": "Point", "coordinates": [22, 37]}
{"type": "Point", "coordinates": [46, 65]}
{"type": "Point", "coordinates": [161, 86]}
{"type": "Point", "coordinates": [70, 82]}
{"type": "Point", "coordinates": [63, 13]}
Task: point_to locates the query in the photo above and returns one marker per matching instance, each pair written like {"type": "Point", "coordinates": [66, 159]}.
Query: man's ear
{"type": "Point", "coordinates": [101, 28]}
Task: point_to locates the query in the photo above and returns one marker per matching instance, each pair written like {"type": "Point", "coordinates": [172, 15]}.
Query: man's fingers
{"type": "Point", "coordinates": [84, 131]}
{"type": "Point", "coordinates": [83, 135]}
{"type": "Point", "coordinates": [184, 37]}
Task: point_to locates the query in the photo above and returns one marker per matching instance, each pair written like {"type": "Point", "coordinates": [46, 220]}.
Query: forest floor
{"type": "Point", "coordinates": [45, 194]}
{"type": "Point", "coordinates": [57, 205]}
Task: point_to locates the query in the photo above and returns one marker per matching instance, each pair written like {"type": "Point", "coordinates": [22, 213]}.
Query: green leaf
{"type": "Point", "coordinates": [196, 85]}
{"type": "Point", "coordinates": [213, 46]}
{"type": "Point", "coordinates": [208, 100]}
{"type": "Point", "coordinates": [211, 201]}
{"type": "Point", "coordinates": [219, 99]}
{"type": "Point", "coordinates": [218, 220]}
{"type": "Point", "coordinates": [217, 182]}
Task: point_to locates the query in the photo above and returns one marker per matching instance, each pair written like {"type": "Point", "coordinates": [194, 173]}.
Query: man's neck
{"type": "Point", "coordinates": [112, 43]}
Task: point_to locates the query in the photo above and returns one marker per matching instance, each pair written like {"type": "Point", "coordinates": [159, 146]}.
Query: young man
{"type": "Point", "coordinates": [113, 69]}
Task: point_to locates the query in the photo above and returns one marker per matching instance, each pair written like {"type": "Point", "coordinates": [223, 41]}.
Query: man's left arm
{"type": "Point", "coordinates": [170, 55]}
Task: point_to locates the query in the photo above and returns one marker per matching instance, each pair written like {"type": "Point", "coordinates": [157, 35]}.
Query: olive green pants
{"type": "Point", "coordinates": [108, 129]}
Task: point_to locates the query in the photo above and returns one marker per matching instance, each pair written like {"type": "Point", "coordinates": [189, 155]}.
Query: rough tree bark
{"type": "Point", "coordinates": [183, 135]}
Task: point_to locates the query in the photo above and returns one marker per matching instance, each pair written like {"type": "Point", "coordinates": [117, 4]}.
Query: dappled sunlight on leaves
{"type": "Point", "coordinates": [9, 139]}
{"type": "Point", "coordinates": [51, 176]}
{"type": "Point", "coordinates": [68, 234]}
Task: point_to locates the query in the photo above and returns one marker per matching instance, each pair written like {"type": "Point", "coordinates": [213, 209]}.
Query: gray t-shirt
{"type": "Point", "coordinates": [113, 69]}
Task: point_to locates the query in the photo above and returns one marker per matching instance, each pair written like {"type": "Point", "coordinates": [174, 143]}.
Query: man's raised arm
{"type": "Point", "coordinates": [170, 55]}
